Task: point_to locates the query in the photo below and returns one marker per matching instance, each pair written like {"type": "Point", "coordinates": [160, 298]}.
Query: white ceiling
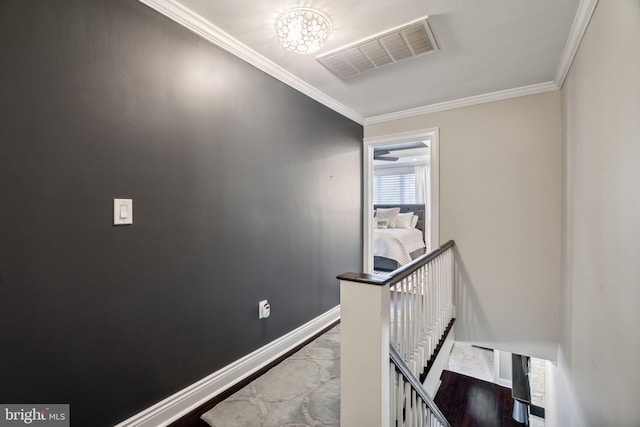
{"type": "Point", "coordinates": [486, 46]}
{"type": "Point", "coordinates": [412, 157]}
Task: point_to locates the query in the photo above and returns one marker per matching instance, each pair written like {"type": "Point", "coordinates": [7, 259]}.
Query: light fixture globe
{"type": "Point", "coordinates": [303, 30]}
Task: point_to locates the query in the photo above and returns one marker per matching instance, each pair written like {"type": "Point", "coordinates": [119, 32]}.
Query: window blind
{"type": "Point", "coordinates": [392, 189]}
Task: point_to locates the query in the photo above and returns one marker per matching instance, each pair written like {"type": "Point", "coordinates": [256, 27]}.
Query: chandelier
{"type": "Point", "coordinates": [303, 30]}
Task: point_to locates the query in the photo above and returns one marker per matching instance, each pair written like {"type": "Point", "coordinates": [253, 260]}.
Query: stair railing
{"type": "Point", "coordinates": [410, 403]}
{"type": "Point", "coordinates": [410, 310]}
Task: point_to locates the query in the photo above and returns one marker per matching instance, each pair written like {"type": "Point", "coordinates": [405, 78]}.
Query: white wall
{"type": "Point", "coordinates": [503, 368]}
{"type": "Point", "coordinates": [596, 380]}
{"type": "Point", "coordinates": [500, 198]}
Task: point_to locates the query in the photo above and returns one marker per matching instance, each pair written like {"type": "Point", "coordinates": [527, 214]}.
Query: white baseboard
{"type": "Point", "coordinates": [184, 401]}
{"type": "Point", "coordinates": [432, 382]}
{"type": "Point", "coordinates": [436, 389]}
{"type": "Point", "coordinates": [505, 383]}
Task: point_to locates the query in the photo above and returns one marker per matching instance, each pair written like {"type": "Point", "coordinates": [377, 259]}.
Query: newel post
{"type": "Point", "coordinates": [364, 350]}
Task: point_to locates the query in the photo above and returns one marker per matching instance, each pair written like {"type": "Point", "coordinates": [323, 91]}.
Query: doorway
{"type": "Point", "coordinates": [401, 169]}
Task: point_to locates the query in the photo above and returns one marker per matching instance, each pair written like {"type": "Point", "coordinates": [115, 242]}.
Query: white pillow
{"type": "Point", "coordinates": [404, 220]}
{"type": "Point", "coordinates": [414, 221]}
{"type": "Point", "coordinates": [390, 214]}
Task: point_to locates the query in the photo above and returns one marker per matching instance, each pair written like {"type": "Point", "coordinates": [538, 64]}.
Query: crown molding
{"type": "Point", "coordinates": [464, 102]}
{"type": "Point", "coordinates": [580, 23]}
{"type": "Point", "coordinates": [396, 138]}
{"type": "Point", "coordinates": [196, 23]}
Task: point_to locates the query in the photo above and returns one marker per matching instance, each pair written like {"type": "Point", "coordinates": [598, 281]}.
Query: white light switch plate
{"type": "Point", "coordinates": [122, 211]}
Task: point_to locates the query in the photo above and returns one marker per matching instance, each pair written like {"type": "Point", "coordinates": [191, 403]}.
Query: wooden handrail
{"type": "Point", "coordinates": [399, 274]}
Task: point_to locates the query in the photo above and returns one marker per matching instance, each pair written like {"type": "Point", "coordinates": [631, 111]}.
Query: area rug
{"type": "Point", "coordinates": [303, 390]}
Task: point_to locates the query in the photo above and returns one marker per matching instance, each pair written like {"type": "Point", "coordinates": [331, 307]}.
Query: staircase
{"type": "Point", "coordinates": [392, 329]}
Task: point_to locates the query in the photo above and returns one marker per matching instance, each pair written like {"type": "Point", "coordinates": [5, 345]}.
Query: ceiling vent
{"type": "Point", "coordinates": [407, 41]}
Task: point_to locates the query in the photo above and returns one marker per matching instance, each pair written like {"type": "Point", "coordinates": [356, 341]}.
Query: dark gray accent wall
{"type": "Point", "coordinates": [242, 188]}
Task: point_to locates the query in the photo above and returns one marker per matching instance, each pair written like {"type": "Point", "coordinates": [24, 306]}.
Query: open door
{"type": "Point", "coordinates": [401, 174]}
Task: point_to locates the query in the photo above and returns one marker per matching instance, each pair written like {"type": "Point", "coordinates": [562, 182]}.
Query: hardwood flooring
{"type": "Point", "coordinates": [470, 402]}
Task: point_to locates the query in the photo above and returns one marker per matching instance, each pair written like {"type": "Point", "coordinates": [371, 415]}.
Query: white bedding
{"type": "Point", "coordinates": [397, 243]}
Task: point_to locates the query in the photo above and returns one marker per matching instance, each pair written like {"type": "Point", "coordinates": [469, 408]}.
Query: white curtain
{"type": "Point", "coordinates": [423, 195]}
{"type": "Point", "coordinates": [422, 184]}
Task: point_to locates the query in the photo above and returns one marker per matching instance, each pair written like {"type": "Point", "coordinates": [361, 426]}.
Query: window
{"type": "Point", "coordinates": [392, 189]}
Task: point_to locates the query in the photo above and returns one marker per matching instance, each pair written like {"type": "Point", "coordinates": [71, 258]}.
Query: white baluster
{"type": "Point", "coordinates": [414, 414]}
{"type": "Point", "coordinates": [392, 394]}
{"type": "Point", "coordinates": [399, 399]}
{"type": "Point", "coordinates": [394, 319]}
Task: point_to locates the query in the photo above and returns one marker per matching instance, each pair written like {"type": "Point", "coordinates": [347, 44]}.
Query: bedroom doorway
{"type": "Point", "coordinates": [401, 179]}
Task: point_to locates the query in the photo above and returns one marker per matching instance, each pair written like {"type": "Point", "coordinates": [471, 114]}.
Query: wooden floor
{"type": "Point", "coordinates": [470, 402]}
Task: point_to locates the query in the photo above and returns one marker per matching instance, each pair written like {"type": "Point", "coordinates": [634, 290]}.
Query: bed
{"type": "Point", "coordinates": [395, 247]}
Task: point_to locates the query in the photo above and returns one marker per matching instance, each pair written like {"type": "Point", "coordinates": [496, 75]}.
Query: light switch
{"type": "Point", "coordinates": [122, 211]}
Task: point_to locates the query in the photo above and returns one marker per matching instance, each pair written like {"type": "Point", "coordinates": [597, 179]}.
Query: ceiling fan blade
{"type": "Point", "coordinates": [398, 147]}
{"type": "Point", "coordinates": [409, 146]}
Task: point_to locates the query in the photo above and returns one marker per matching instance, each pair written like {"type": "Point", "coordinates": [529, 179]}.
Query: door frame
{"type": "Point", "coordinates": [369, 144]}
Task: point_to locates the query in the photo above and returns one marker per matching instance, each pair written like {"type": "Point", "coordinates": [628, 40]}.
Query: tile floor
{"type": "Point", "coordinates": [303, 390]}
